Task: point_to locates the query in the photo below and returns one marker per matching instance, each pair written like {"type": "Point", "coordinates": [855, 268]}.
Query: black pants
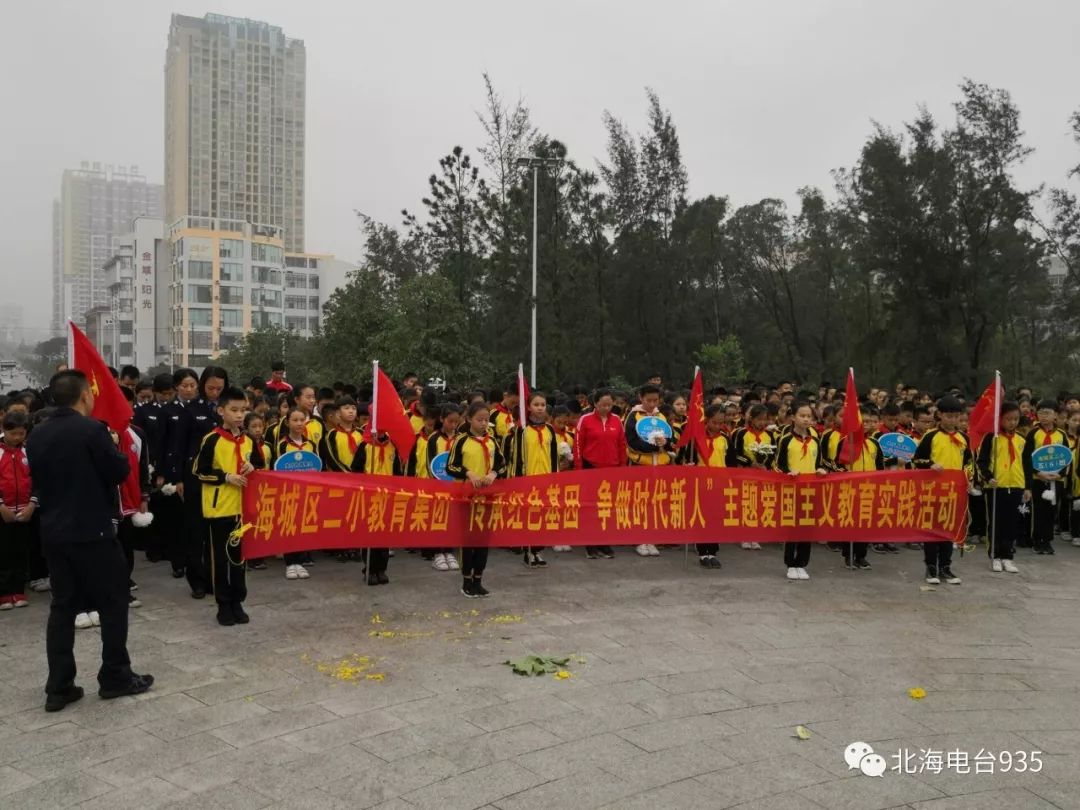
{"type": "Point", "coordinates": [126, 533]}
{"type": "Point", "coordinates": [1043, 513]}
{"type": "Point", "coordinates": [228, 573]}
{"type": "Point", "coordinates": [39, 569]}
{"type": "Point", "coordinates": [195, 537]}
{"type": "Point", "coordinates": [859, 550]}
{"type": "Point", "coordinates": [15, 541]}
{"type": "Point", "coordinates": [473, 561]}
{"type": "Point", "coordinates": [1006, 521]}
{"type": "Point", "coordinates": [377, 560]}
{"type": "Point", "coordinates": [976, 516]}
{"type": "Point", "coordinates": [93, 572]}
{"type": "Point", "coordinates": [937, 554]}
{"type": "Point", "coordinates": [707, 549]}
{"type": "Point", "coordinates": [797, 555]}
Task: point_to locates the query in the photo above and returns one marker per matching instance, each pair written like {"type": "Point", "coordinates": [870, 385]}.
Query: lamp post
{"type": "Point", "coordinates": [534, 162]}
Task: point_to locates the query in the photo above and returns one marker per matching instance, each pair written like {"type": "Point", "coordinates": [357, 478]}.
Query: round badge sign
{"type": "Point", "coordinates": [298, 461]}
{"type": "Point", "coordinates": [438, 467]}
{"type": "Point", "coordinates": [650, 427]}
{"type": "Point", "coordinates": [898, 445]}
{"type": "Point", "coordinates": [1051, 458]}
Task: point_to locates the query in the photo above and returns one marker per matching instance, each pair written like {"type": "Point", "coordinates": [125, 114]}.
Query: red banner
{"type": "Point", "coordinates": [619, 506]}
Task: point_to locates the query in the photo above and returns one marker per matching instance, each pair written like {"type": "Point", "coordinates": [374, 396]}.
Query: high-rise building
{"type": "Point", "coordinates": [234, 124]}
{"type": "Point", "coordinates": [96, 207]}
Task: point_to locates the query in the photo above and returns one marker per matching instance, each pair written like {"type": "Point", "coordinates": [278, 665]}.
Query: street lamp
{"type": "Point", "coordinates": [534, 162]}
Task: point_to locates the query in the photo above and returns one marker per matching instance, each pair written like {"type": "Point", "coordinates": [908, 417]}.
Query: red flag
{"type": "Point", "coordinates": [986, 415]}
{"type": "Point", "coordinates": [694, 430]}
{"type": "Point", "coordinates": [388, 416]}
{"type": "Point", "coordinates": [523, 397]}
{"type": "Point", "coordinates": [851, 426]}
{"type": "Point", "coordinates": [110, 406]}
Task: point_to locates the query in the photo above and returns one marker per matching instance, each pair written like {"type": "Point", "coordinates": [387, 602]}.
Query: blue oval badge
{"type": "Point", "coordinates": [438, 467]}
{"type": "Point", "coordinates": [1051, 458]}
{"type": "Point", "coordinates": [650, 426]}
{"type": "Point", "coordinates": [298, 461]}
{"type": "Point", "coordinates": [898, 445]}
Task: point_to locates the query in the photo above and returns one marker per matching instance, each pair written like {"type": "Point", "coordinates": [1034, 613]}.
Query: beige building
{"type": "Point", "coordinates": [234, 124]}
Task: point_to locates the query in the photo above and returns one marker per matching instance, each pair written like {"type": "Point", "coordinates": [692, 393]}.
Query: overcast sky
{"type": "Point", "coordinates": [767, 96]}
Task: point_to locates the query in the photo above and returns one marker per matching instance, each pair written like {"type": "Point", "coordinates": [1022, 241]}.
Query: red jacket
{"type": "Point", "coordinates": [15, 481]}
{"type": "Point", "coordinates": [599, 443]}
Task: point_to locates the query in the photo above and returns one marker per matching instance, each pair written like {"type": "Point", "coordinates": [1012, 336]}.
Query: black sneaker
{"type": "Point", "coordinates": [606, 552]}
{"type": "Point", "coordinates": [58, 700]}
{"type": "Point", "coordinates": [949, 576]}
{"type": "Point", "coordinates": [863, 565]}
{"type": "Point", "coordinates": [132, 585]}
{"type": "Point", "coordinates": [848, 564]}
{"type": "Point", "coordinates": [372, 578]}
{"type": "Point", "coordinates": [591, 553]}
{"type": "Point", "coordinates": [133, 601]}
{"type": "Point", "coordinates": [342, 557]}
{"type": "Point", "coordinates": [539, 561]}
{"type": "Point", "coordinates": [198, 593]}
{"type": "Point", "coordinates": [225, 616]}
{"type": "Point", "coordinates": [479, 590]}
{"type": "Point", "coordinates": [528, 560]}
{"type": "Point", "coordinates": [177, 573]}
{"type": "Point", "coordinates": [891, 548]}
{"type": "Point", "coordinates": [932, 576]}
{"type": "Point", "coordinates": [257, 565]}
{"type": "Point", "coordinates": [238, 613]}
{"type": "Point", "coordinates": [308, 561]}
{"type": "Point", "coordinates": [468, 588]}
{"type": "Point", "coordinates": [1048, 548]}
{"type": "Point", "coordinates": [136, 686]}
{"type": "Point", "coordinates": [382, 578]}
{"type": "Point", "coordinates": [879, 548]}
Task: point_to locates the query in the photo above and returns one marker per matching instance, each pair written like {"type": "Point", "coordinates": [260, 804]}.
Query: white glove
{"type": "Point", "coordinates": [140, 520]}
{"type": "Point", "coordinates": [1076, 504]}
{"type": "Point", "coordinates": [1050, 496]}
{"type": "Point", "coordinates": [975, 491]}
{"type": "Point", "coordinates": [168, 489]}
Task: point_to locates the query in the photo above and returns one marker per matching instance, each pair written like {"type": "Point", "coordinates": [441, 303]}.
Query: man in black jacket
{"type": "Point", "coordinates": [76, 470]}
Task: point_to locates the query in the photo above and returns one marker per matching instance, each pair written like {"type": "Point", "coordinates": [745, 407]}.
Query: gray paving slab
{"type": "Point", "coordinates": [685, 689]}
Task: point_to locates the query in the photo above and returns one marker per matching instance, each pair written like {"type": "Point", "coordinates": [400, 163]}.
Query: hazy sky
{"type": "Point", "coordinates": [767, 96]}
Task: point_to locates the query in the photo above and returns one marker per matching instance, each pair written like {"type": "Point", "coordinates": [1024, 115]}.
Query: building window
{"type": "Point", "coordinates": [199, 340]}
{"type": "Point", "coordinates": [295, 324]}
{"type": "Point", "coordinates": [231, 295]}
{"type": "Point", "coordinates": [231, 249]}
{"type": "Point", "coordinates": [232, 271]}
{"type": "Point", "coordinates": [295, 302]}
{"type": "Point", "coordinates": [126, 350]}
{"type": "Point", "coordinates": [199, 294]}
{"type": "Point", "coordinates": [266, 275]}
{"type": "Point", "coordinates": [295, 279]}
{"type": "Point", "coordinates": [203, 271]}
{"type": "Point", "coordinates": [313, 325]}
{"type": "Point", "coordinates": [227, 341]}
{"type": "Point", "coordinates": [127, 327]}
{"type": "Point", "coordinates": [199, 317]}
{"type": "Point", "coordinates": [313, 282]}
{"type": "Point", "coordinates": [266, 298]}
{"type": "Point", "coordinates": [232, 318]}
{"type": "Point", "coordinates": [313, 302]}
{"type": "Point", "coordinates": [271, 254]}
{"type": "Point", "coordinates": [261, 320]}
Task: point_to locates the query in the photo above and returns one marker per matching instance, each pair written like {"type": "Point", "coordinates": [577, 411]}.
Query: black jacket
{"type": "Point", "coordinates": [153, 421]}
{"type": "Point", "coordinates": [76, 471]}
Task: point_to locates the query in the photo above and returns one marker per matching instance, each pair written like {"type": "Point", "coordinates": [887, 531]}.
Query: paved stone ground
{"type": "Point", "coordinates": [687, 686]}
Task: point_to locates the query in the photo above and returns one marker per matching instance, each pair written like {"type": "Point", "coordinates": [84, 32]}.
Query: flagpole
{"type": "Point", "coordinates": [851, 543]}
{"type": "Point", "coordinates": [686, 546]}
{"type": "Point", "coordinates": [374, 395]}
{"type": "Point", "coordinates": [993, 463]}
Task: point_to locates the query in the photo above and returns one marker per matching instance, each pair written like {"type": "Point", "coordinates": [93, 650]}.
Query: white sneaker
{"type": "Point", "coordinates": [643, 550]}
{"type": "Point", "coordinates": [452, 563]}
{"type": "Point", "coordinates": [290, 572]}
{"type": "Point", "coordinates": [793, 573]}
{"type": "Point", "coordinates": [803, 574]}
{"type": "Point", "coordinates": [302, 572]}
{"type": "Point", "coordinates": [747, 546]}
{"type": "Point", "coordinates": [1010, 567]}
{"type": "Point", "coordinates": [6, 605]}
{"type": "Point", "coordinates": [439, 563]}
{"type": "Point", "coordinates": [1076, 541]}
{"type": "Point", "coordinates": [755, 546]}
{"type": "Point", "coordinates": [41, 585]}
{"type": "Point", "coordinates": [995, 566]}
{"type": "Point", "coordinates": [653, 551]}
{"type": "Point", "coordinates": [561, 549]}
{"type": "Point", "coordinates": [82, 621]}
{"type": "Point", "coordinates": [95, 618]}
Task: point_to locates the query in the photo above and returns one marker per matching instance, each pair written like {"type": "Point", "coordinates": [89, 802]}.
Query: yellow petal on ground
{"type": "Point", "coordinates": [376, 619]}
{"type": "Point", "coordinates": [562, 675]}
{"type": "Point", "coordinates": [802, 732]}
{"type": "Point", "coordinates": [505, 619]}
{"type": "Point", "coordinates": [916, 693]}
{"type": "Point", "coordinates": [375, 676]}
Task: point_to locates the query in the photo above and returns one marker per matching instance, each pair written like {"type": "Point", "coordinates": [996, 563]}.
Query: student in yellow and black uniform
{"type": "Point", "coordinates": [276, 428]}
{"type": "Point", "coordinates": [224, 460]}
{"type": "Point", "coordinates": [870, 458]}
{"type": "Point", "coordinates": [427, 449]}
{"type": "Point", "coordinates": [889, 423]}
{"type": "Point", "coordinates": [563, 421]}
{"type": "Point", "coordinates": [338, 450]}
{"type": "Point", "coordinates": [1044, 505]}
{"type": "Point", "coordinates": [504, 415]}
{"type": "Point", "coordinates": [1000, 464]}
{"type": "Point", "coordinates": [1072, 482]}
{"type": "Point", "coordinates": [534, 450]}
{"type": "Point", "coordinates": [752, 445]}
{"type": "Point", "coordinates": [642, 453]}
{"type": "Point", "coordinates": [717, 440]}
{"type": "Point", "coordinates": [375, 455]}
{"type": "Point", "coordinates": [293, 438]}
{"type": "Point", "coordinates": [255, 428]}
{"type": "Point", "coordinates": [943, 448]}
{"type": "Point", "coordinates": [477, 458]}
{"type": "Point", "coordinates": [679, 404]}
{"type": "Point", "coordinates": [798, 453]}
{"type": "Point", "coordinates": [303, 397]}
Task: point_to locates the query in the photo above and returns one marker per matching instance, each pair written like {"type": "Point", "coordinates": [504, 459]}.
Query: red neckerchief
{"type": "Point", "coordinates": [1048, 437]}
{"type": "Point", "coordinates": [299, 445]}
{"type": "Point", "coordinates": [804, 442]}
{"type": "Point", "coordinates": [1012, 449]}
{"type": "Point", "coordinates": [757, 434]}
{"type": "Point", "coordinates": [237, 443]}
{"type": "Point", "coordinates": [350, 435]}
{"type": "Point", "coordinates": [500, 408]}
{"type": "Point", "coordinates": [448, 442]}
{"type": "Point", "coordinates": [562, 434]}
{"type": "Point", "coordinates": [954, 437]}
{"type": "Point", "coordinates": [539, 433]}
{"type": "Point", "coordinates": [374, 440]}
{"type": "Point", "coordinates": [483, 440]}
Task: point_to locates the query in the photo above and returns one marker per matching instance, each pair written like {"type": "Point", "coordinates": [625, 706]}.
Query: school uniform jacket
{"type": "Point", "coordinates": [15, 485]}
{"type": "Point", "coordinates": [223, 453]}
{"type": "Point", "coordinates": [1040, 438]}
{"type": "Point", "coordinates": [534, 450]}
{"type": "Point", "coordinates": [476, 454]}
{"type": "Point", "coordinates": [1001, 459]}
{"type": "Point", "coordinates": [871, 458]}
{"type": "Point", "coordinates": [950, 450]}
{"type": "Point", "coordinates": [797, 454]}
{"type": "Point", "coordinates": [286, 445]}
{"type": "Point", "coordinates": [640, 451]}
{"type": "Point", "coordinates": [339, 449]}
{"type": "Point", "coordinates": [376, 457]}
{"type": "Point", "coordinates": [718, 457]}
{"type": "Point", "coordinates": [744, 444]}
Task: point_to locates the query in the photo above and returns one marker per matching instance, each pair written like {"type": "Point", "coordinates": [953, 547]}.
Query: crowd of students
{"type": "Point", "coordinates": [195, 438]}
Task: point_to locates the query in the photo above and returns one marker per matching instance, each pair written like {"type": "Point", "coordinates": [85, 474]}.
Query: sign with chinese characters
{"type": "Point", "coordinates": [1051, 458]}
{"type": "Point", "coordinates": [298, 461]}
{"type": "Point", "coordinates": [899, 446]}
{"type": "Point", "coordinates": [630, 505]}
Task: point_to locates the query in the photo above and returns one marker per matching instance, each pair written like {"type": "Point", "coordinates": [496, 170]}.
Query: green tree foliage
{"type": "Point", "coordinates": [926, 265]}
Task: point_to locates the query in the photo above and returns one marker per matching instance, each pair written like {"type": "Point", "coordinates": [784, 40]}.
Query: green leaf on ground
{"type": "Point", "coordinates": [537, 664]}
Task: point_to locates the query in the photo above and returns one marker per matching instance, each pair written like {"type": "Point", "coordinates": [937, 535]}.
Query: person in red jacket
{"type": "Point", "coordinates": [18, 530]}
{"type": "Point", "coordinates": [600, 442]}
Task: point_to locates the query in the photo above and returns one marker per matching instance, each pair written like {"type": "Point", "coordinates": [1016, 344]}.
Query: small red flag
{"type": "Point", "coordinates": [851, 425]}
{"type": "Point", "coordinates": [110, 406]}
{"type": "Point", "coordinates": [388, 415]}
{"type": "Point", "coordinates": [694, 430]}
{"type": "Point", "coordinates": [985, 416]}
